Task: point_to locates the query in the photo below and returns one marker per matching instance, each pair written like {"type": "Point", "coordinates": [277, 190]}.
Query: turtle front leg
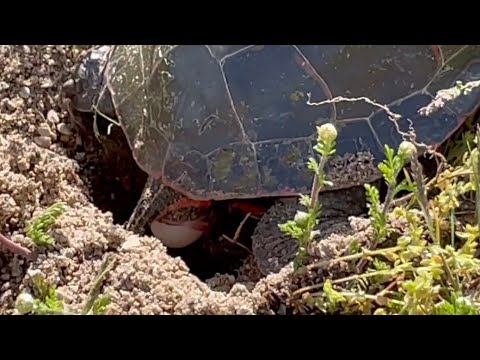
{"type": "Point", "coordinates": [155, 198]}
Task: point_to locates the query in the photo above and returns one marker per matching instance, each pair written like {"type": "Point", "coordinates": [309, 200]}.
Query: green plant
{"type": "Point", "coordinates": [390, 169]}
{"type": "Point", "coordinates": [37, 228]}
{"type": "Point", "coordinates": [47, 301]}
{"type": "Point", "coordinates": [422, 276]}
{"type": "Point", "coordinates": [302, 226]}
{"type": "Point", "coordinates": [432, 265]}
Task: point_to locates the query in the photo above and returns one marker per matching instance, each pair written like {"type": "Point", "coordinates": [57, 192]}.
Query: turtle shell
{"type": "Point", "coordinates": [233, 121]}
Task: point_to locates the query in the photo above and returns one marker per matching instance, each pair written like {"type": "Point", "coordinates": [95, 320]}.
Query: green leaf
{"type": "Point", "coordinates": [37, 228]}
{"type": "Point", "coordinates": [52, 301]}
{"type": "Point", "coordinates": [404, 186]}
{"type": "Point", "coordinates": [100, 305]}
{"type": "Point", "coordinates": [291, 228]}
{"type": "Point", "coordinates": [333, 297]}
{"type": "Point", "coordinates": [305, 200]}
{"type": "Point", "coordinates": [313, 165]}
{"type": "Point", "coordinates": [457, 305]}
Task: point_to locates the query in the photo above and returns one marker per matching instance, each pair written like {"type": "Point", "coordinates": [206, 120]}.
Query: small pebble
{"type": "Point", "coordinates": [44, 130]}
{"type": "Point", "coordinates": [69, 253]}
{"type": "Point", "coordinates": [4, 85]}
{"type": "Point", "coordinates": [80, 156]}
{"type": "Point", "coordinates": [11, 105]}
{"type": "Point", "coordinates": [24, 92]}
{"type": "Point", "coordinates": [11, 201]}
{"type": "Point", "coordinates": [46, 83]}
{"type": "Point", "coordinates": [5, 49]}
{"type": "Point", "coordinates": [34, 272]}
{"type": "Point", "coordinates": [52, 116]}
{"type": "Point", "coordinates": [132, 242]}
{"type": "Point", "coordinates": [16, 271]}
{"type": "Point", "coordinates": [64, 129]}
{"type": "Point", "coordinates": [19, 103]}
{"type": "Point", "coordinates": [43, 141]}
{"type": "Point", "coordinates": [64, 138]}
{"type": "Point", "coordinates": [23, 164]}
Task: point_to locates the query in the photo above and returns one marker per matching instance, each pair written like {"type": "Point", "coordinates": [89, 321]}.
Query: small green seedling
{"type": "Point", "coordinates": [38, 228]}
{"type": "Point", "coordinates": [48, 302]}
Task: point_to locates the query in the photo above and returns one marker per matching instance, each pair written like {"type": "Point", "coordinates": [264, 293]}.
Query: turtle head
{"type": "Point", "coordinates": [87, 89]}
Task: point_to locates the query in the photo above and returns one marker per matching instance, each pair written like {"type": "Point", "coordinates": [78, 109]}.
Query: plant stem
{"type": "Point", "coordinates": [48, 311]}
{"type": "Point", "coordinates": [365, 276]}
{"type": "Point", "coordinates": [349, 294]}
{"type": "Point", "coordinates": [317, 184]}
{"type": "Point", "coordinates": [388, 199]}
{"type": "Point", "coordinates": [314, 207]}
{"type": "Point", "coordinates": [360, 255]}
{"type": "Point", "coordinates": [449, 273]}
{"type": "Point", "coordinates": [345, 279]}
{"type": "Point", "coordinates": [421, 195]}
{"type": "Point", "coordinates": [307, 234]}
{"type": "Point", "coordinates": [476, 178]}
{"type": "Point", "coordinates": [105, 268]}
{"type": "Point", "coordinates": [452, 228]}
{"type": "Point", "coordinates": [430, 183]}
{"type": "Point", "coordinates": [15, 248]}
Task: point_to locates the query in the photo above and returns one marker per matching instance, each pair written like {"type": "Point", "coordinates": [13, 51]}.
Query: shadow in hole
{"type": "Point", "coordinates": [116, 183]}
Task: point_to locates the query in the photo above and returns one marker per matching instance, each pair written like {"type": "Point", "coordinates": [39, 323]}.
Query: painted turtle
{"type": "Point", "coordinates": [230, 122]}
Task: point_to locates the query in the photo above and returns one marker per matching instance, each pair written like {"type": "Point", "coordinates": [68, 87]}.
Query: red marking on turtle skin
{"type": "Point", "coordinates": [247, 207]}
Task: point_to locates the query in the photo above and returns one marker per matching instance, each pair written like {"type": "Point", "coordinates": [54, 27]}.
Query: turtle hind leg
{"type": "Point", "coordinates": [273, 249]}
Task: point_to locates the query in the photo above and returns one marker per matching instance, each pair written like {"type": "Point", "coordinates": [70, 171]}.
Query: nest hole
{"type": "Point", "coordinates": [116, 183]}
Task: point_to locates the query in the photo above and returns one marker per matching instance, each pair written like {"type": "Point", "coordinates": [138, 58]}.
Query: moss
{"type": "Point", "coordinates": [223, 165]}
{"type": "Point", "coordinates": [297, 96]}
{"type": "Point", "coordinates": [294, 155]}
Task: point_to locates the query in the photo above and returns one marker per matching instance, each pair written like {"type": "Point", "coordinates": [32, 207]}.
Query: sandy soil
{"type": "Point", "coordinates": [38, 167]}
